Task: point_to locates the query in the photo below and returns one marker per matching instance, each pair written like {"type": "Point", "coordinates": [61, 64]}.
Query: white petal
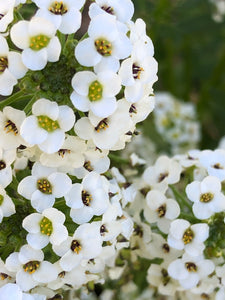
{"type": "Point", "coordinates": [66, 117]}
{"type": "Point", "coordinates": [40, 201]}
{"type": "Point", "coordinates": [41, 26]}
{"type": "Point", "coordinates": [19, 34]}
{"type": "Point", "coordinates": [82, 80]}
{"type": "Point", "coordinates": [27, 186]}
{"type": "Point", "coordinates": [27, 253]}
{"type": "Point", "coordinates": [71, 21]}
{"type": "Point", "coordinates": [46, 273]}
{"type": "Point", "coordinates": [34, 60]}
{"type": "Point", "coordinates": [83, 128]}
{"type": "Point", "coordinates": [82, 215]}
{"type": "Point", "coordinates": [31, 132]}
{"type": "Point", "coordinates": [70, 260]}
{"type": "Point", "coordinates": [54, 215]}
{"type": "Point", "coordinates": [7, 82]}
{"type": "Point", "coordinates": [45, 107]}
{"type": "Point", "coordinates": [73, 197]}
{"type": "Point", "coordinates": [58, 235]}
{"type": "Point", "coordinates": [81, 103]}
{"type": "Point", "coordinates": [104, 107]}
{"type": "Point", "coordinates": [61, 184]}
{"type": "Point", "coordinates": [53, 49]}
{"type": "Point", "coordinates": [86, 54]}
{"type": "Point", "coordinates": [53, 142]}
{"type": "Point", "coordinates": [172, 209]}
{"type": "Point", "coordinates": [31, 223]}
{"type": "Point", "coordinates": [37, 240]}
{"type": "Point", "coordinates": [15, 65]}
{"type": "Point", "coordinates": [25, 281]}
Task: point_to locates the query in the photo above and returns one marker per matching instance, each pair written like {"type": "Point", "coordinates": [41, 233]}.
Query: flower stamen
{"type": "Point", "coordinates": [46, 226]}
{"type": "Point", "coordinates": [44, 186]}
{"type": "Point", "coordinates": [3, 63]}
{"type": "Point", "coordinates": [11, 127]}
{"type": "Point", "coordinates": [103, 47]}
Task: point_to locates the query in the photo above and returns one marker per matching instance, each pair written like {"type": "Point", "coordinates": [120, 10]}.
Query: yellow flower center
{"type": "Point", "coordinates": [75, 246]}
{"type": "Point", "coordinates": [11, 127]}
{"type": "Point", "coordinates": [47, 124]}
{"type": "Point", "coordinates": [31, 266]}
{"type": "Point", "coordinates": [44, 186]}
{"type": "Point", "coordinates": [3, 63]}
{"type": "Point", "coordinates": [46, 226]}
{"type": "Point", "coordinates": [58, 8]}
{"type": "Point", "coordinates": [103, 47]}
{"type": "Point", "coordinates": [39, 42]}
{"type": "Point", "coordinates": [188, 236]}
{"type": "Point", "coordinates": [207, 197]}
{"type": "Point", "coordinates": [95, 91]}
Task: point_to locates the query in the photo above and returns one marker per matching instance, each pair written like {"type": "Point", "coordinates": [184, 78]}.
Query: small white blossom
{"type": "Point", "coordinates": [45, 227]}
{"type": "Point", "coordinates": [86, 243]}
{"type": "Point", "coordinates": [6, 14]}
{"type": "Point", "coordinates": [183, 235]}
{"type": "Point", "coordinates": [190, 270]}
{"type": "Point", "coordinates": [7, 207]}
{"type": "Point", "coordinates": [43, 186]}
{"type": "Point", "coordinates": [48, 124]}
{"type": "Point", "coordinates": [96, 92]}
{"type": "Point", "coordinates": [88, 198]}
{"type": "Point", "coordinates": [65, 15]}
{"type": "Point", "coordinates": [30, 268]}
{"type": "Point", "coordinates": [11, 67]}
{"type": "Point", "coordinates": [207, 197]}
{"type": "Point", "coordinates": [161, 210]}
{"type": "Point", "coordinates": [38, 41]}
{"type": "Point", "coordinates": [105, 45]}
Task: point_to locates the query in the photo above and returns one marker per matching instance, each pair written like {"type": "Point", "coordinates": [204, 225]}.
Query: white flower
{"type": "Point", "coordinates": [6, 159]}
{"type": "Point", "coordinates": [38, 41]}
{"type": "Point", "coordinates": [214, 162]}
{"type": "Point", "coordinates": [10, 122]}
{"type": "Point", "coordinates": [11, 67]}
{"type": "Point", "coordinates": [86, 243]}
{"type": "Point", "coordinates": [106, 132]}
{"type": "Point", "coordinates": [123, 10]}
{"type": "Point", "coordinates": [165, 171]}
{"type": "Point", "coordinates": [190, 270]}
{"type": "Point", "coordinates": [43, 186]}
{"type": "Point", "coordinates": [48, 124]}
{"type": "Point", "coordinates": [96, 92]}
{"type": "Point", "coordinates": [158, 276]}
{"type": "Point", "coordinates": [45, 227]}
{"type": "Point", "coordinates": [158, 247]}
{"type": "Point", "coordinates": [136, 72]}
{"type": "Point", "coordinates": [65, 15]}
{"type": "Point", "coordinates": [7, 207]}
{"type": "Point", "coordinates": [95, 160]}
{"type": "Point", "coordinates": [106, 45]}
{"type": "Point", "coordinates": [71, 155]}
{"type": "Point", "coordinates": [6, 14]}
{"type": "Point", "coordinates": [161, 210]}
{"type": "Point", "coordinates": [183, 235]}
{"type": "Point", "coordinates": [30, 268]}
{"type": "Point", "coordinates": [11, 291]}
{"type": "Point", "coordinates": [88, 198]}
{"type": "Point", "coordinates": [207, 197]}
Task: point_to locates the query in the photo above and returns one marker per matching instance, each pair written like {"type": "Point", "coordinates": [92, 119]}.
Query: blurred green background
{"type": "Point", "coordinates": [190, 49]}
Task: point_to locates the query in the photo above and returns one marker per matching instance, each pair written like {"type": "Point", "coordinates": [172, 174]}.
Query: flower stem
{"type": "Point", "coordinates": [19, 95]}
{"type": "Point", "coordinates": [29, 104]}
{"type": "Point", "coordinates": [180, 197]}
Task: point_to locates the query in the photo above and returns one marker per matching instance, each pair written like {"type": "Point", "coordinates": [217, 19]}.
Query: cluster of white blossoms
{"type": "Point", "coordinates": [176, 122]}
{"type": "Point", "coordinates": [179, 226]}
{"type": "Point", "coordinates": [68, 103]}
{"type": "Point", "coordinates": [218, 15]}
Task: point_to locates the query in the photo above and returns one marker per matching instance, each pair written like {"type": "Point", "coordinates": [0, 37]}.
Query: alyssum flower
{"type": "Point", "coordinates": [48, 124]}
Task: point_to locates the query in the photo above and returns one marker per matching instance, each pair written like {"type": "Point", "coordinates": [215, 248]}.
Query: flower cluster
{"type": "Point", "coordinates": [62, 210]}
{"type": "Point", "coordinates": [179, 225]}
{"type": "Point", "coordinates": [176, 122]}
{"type": "Point", "coordinates": [219, 7]}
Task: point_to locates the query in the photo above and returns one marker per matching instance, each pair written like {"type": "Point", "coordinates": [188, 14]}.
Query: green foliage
{"type": "Point", "coordinates": [190, 50]}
